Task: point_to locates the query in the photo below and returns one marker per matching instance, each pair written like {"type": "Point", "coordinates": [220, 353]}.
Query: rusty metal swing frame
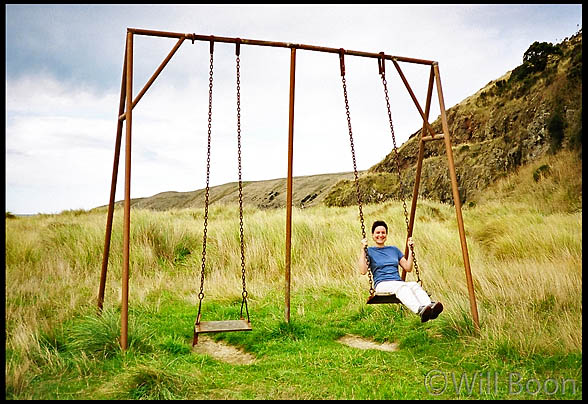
{"type": "Point", "coordinates": [127, 103]}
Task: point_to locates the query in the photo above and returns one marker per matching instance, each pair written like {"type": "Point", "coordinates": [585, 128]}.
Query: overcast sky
{"type": "Point", "coordinates": [63, 76]}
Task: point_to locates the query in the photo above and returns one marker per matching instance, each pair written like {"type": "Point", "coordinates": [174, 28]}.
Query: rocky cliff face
{"type": "Point", "coordinates": [532, 110]}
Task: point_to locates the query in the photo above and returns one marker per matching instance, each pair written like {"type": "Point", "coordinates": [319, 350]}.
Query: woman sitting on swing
{"type": "Point", "coordinates": [384, 261]}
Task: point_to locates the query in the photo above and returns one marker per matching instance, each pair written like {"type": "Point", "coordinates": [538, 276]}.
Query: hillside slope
{"type": "Point", "coordinates": [306, 191]}
{"type": "Point", "coordinates": [530, 112]}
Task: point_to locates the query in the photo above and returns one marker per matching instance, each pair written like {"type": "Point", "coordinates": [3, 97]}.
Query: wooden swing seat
{"type": "Point", "coordinates": [220, 326]}
{"type": "Point", "coordinates": [383, 298]}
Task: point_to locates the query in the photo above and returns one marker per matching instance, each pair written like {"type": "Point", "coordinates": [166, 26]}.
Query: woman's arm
{"type": "Point", "coordinates": [406, 263]}
{"type": "Point", "coordinates": [362, 261]}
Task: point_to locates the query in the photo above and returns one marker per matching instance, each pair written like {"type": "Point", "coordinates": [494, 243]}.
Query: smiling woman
{"type": "Point", "coordinates": [384, 262]}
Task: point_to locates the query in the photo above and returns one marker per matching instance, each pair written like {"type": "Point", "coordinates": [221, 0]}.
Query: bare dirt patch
{"type": "Point", "coordinates": [362, 343]}
{"type": "Point", "coordinates": [223, 351]}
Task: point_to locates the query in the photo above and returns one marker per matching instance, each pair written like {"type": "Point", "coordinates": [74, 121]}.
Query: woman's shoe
{"type": "Point", "coordinates": [436, 309]}
{"type": "Point", "coordinates": [425, 313]}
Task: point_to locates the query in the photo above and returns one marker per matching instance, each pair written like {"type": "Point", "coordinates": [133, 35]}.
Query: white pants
{"type": "Point", "coordinates": [409, 293]}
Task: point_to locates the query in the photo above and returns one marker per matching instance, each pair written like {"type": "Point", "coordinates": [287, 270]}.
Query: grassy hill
{"type": "Point", "coordinates": [531, 111]}
{"type": "Point", "coordinates": [306, 191]}
{"type": "Point", "coordinates": [525, 243]}
{"type": "Point", "coordinates": [524, 235]}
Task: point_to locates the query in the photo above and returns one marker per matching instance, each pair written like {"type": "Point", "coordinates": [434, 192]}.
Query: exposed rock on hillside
{"type": "Point", "coordinates": [532, 110]}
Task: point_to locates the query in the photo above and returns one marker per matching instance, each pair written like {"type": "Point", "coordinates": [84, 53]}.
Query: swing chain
{"type": "Point", "coordinates": [242, 239]}
{"type": "Point", "coordinates": [397, 161]}
{"type": "Point", "coordinates": [358, 189]}
{"type": "Point", "coordinates": [207, 193]}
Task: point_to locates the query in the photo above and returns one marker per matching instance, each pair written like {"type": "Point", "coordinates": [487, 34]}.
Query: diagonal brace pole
{"type": "Point", "coordinates": [416, 103]}
{"type": "Point", "coordinates": [122, 115]}
{"type": "Point", "coordinates": [121, 108]}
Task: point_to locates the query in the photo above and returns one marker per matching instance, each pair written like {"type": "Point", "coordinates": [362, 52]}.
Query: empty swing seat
{"type": "Point", "coordinates": [382, 298]}
{"type": "Point", "coordinates": [220, 326]}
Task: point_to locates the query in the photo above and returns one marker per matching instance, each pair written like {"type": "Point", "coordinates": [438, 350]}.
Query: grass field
{"type": "Point", "coordinates": [526, 259]}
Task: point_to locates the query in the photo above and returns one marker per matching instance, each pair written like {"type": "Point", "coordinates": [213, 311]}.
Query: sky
{"type": "Point", "coordinates": [63, 77]}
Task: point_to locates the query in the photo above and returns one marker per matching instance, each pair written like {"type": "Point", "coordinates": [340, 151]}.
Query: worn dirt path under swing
{"type": "Point", "coordinates": [355, 341]}
{"type": "Point", "coordinates": [227, 353]}
{"type": "Point", "coordinates": [222, 351]}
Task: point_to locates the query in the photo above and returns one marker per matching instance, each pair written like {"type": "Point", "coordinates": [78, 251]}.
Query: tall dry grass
{"type": "Point", "coordinates": [550, 184]}
{"type": "Point", "coordinates": [526, 263]}
{"type": "Point", "coordinates": [520, 260]}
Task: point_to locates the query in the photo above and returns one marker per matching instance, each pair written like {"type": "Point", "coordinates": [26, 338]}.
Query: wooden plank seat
{"type": "Point", "coordinates": [220, 326]}
{"type": "Point", "coordinates": [382, 298]}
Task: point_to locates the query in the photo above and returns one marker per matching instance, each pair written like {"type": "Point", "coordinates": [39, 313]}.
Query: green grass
{"type": "Point", "coordinates": [526, 260]}
{"type": "Point", "coordinates": [300, 359]}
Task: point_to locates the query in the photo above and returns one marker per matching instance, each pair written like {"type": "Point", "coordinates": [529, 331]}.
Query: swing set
{"type": "Point", "coordinates": [126, 105]}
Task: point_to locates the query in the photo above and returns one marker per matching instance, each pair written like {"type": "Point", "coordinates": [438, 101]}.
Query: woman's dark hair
{"type": "Point", "coordinates": [379, 223]}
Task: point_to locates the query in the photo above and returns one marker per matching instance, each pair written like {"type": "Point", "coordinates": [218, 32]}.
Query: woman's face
{"type": "Point", "coordinates": [379, 235]}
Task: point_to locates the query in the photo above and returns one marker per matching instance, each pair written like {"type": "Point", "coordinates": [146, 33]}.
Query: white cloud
{"type": "Point", "coordinates": [58, 139]}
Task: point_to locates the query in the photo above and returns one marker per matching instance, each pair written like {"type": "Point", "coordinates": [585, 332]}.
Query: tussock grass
{"type": "Point", "coordinates": [550, 184]}
{"type": "Point", "coordinates": [525, 257]}
{"type": "Point", "coordinates": [149, 381]}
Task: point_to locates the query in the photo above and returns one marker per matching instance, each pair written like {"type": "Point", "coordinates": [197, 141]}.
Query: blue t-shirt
{"type": "Point", "coordinates": [384, 263]}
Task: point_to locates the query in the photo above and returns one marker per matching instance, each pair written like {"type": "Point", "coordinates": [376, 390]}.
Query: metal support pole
{"type": "Point", "coordinates": [457, 202]}
{"type": "Point", "coordinates": [121, 108]}
{"type": "Point", "coordinates": [417, 179]}
{"type": "Point", "coordinates": [127, 209]}
{"type": "Point", "coordinates": [289, 185]}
